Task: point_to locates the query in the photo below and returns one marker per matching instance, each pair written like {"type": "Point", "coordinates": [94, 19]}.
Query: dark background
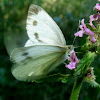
{"type": "Point", "coordinates": [66, 13]}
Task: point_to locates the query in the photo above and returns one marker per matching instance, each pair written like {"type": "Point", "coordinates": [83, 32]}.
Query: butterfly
{"type": "Point", "coordinates": [45, 49]}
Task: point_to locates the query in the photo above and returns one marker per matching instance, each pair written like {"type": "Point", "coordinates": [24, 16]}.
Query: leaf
{"type": "Point", "coordinates": [76, 88]}
{"type": "Point", "coordinates": [84, 63]}
{"type": "Point", "coordinates": [93, 83]}
{"type": "Point", "coordinates": [54, 78]}
{"type": "Point", "coordinates": [90, 27]}
{"type": "Point", "coordinates": [64, 80]}
{"type": "Point", "coordinates": [98, 28]}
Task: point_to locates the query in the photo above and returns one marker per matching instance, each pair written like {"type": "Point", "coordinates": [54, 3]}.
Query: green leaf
{"type": "Point", "coordinates": [90, 77]}
{"type": "Point", "coordinates": [98, 28]}
{"type": "Point", "coordinates": [76, 88]}
{"type": "Point", "coordinates": [64, 80]}
{"type": "Point", "coordinates": [54, 78]}
{"type": "Point", "coordinates": [84, 63]}
{"type": "Point", "coordinates": [93, 83]}
{"type": "Point", "coordinates": [98, 45]}
{"type": "Point", "coordinates": [90, 27]}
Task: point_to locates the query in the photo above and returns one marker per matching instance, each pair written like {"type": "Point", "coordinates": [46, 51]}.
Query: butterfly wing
{"type": "Point", "coordinates": [42, 29]}
{"type": "Point", "coordinates": [36, 61]}
{"type": "Point", "coordinates": [15, 40]}
{"type": "Point", "coordinates": [33, 62]}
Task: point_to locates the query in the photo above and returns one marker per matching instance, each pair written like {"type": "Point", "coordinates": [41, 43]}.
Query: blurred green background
{"type": "Point", "coordinates": [66, 13]}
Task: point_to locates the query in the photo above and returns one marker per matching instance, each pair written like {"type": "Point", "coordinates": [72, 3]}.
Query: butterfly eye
{"type": "Point", "coordinates": [69, 47]}
{"type": "Point", "coordinates": [34, 23]}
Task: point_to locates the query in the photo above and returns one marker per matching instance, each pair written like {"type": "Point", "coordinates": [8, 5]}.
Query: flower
{"type": "Point", "coordinates": [85, 30]}
{"type": "Point", "coordinates": [97, 7]}
{"type": "Point", "coordinates": [73, 61]}
{"type": "Point", "coordinates": [94, 18]}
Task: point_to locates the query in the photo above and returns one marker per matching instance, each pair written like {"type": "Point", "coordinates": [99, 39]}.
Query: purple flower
{"type": "Point", "coordinates": [85, 30]}
{"type": "Point", "coordinates": [93, 39]}
{"type": "Point", "coordinates": [73, 61]}
{"type": "Point", "coordinates": [97, 7]}
{"type": "Point", "coordinates": [94, 18]}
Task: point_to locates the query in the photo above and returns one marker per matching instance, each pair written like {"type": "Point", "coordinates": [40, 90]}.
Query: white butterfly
{"type": "Point", "coordinates": [45, 49]}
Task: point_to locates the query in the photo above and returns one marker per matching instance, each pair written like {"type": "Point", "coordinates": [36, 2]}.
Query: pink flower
{"type": "Point", "coordinates": [97, 7]}
{"type": "Point", "coordinates": [93, 39]}
{"type": "Point", "coordinates": [94, 18]}
{"type": "Point", "coordinates": [73, 61]}
{"type": "Point", "coordinates": [85, 30]}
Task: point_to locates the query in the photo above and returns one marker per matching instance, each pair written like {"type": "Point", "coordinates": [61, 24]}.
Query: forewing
{"type": "Point", "coordinates": [42, 28]}
{"type": "Point", "coordinates": [36, 61]}
{"type": "Point", "coordinates": [31, 43]}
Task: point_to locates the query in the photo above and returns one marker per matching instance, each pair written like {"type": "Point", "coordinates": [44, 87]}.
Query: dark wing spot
{"type": "Point", "coordinates": [28, 58]}
{"type": "Point", "coordinates": [25, 54]}
{"type": "Point", "coordinates": [40, 40]}
{"type": "Point", "coordinates": [37, 37]}
{"type": "Point", "coordinates": [34, 22]}
{"type": "Point", "coordinates": [34, 9]}
{"type": "Point", "coordinates": [30, 13]}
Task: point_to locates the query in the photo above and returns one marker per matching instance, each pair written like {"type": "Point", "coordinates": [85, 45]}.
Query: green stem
{"type": "Point", "coordinates": [76, 89]}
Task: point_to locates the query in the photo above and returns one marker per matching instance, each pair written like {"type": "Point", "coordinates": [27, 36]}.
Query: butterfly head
{"type": "Point", "coordinates": [69, 48]}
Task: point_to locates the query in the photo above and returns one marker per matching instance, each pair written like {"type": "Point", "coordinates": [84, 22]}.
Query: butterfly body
{"type": "Point", "coordinates": [45, 49]}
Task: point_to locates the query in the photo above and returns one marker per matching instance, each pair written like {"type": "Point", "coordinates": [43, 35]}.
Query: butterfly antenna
{"type": "Point", "coordinates": [78, 52]}
{"type": "Point", "coordinates": [77, 30]}
{"type": "Point", "coordinates": [74, 40]}
{"type": "Point", "coordinates": [65, 63]}
{"type": "Point", "coordinates": [77, 46]}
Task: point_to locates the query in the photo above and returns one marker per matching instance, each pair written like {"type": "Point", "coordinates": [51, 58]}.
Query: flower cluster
{"type": "Point", "coordinates": [95, 16]}
{"type": "Point", "coordinates": [85, 30]}
{"type": "Point", "coordinates": [73, 61]}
